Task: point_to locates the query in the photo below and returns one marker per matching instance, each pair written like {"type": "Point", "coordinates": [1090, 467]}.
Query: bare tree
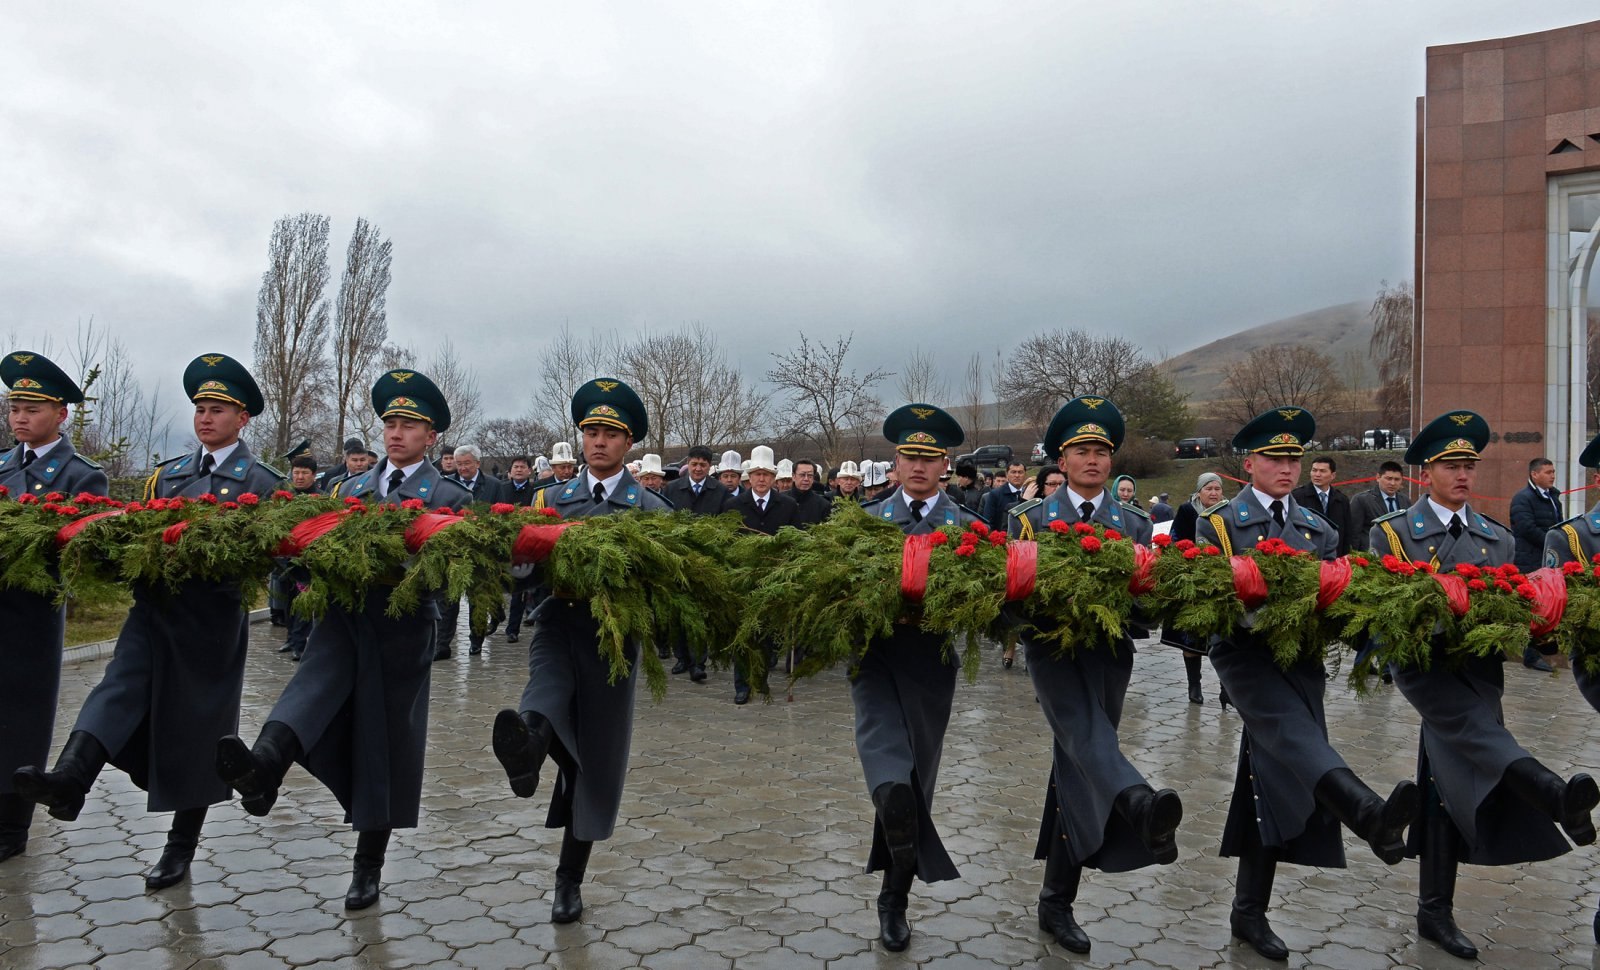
{"type": "Point", "coordinates": [830, 403]}
{"type": "Point", "coordinates": [508, 438]}
{"type": "Point", "coordinates": [292, 325]}
{"type": "Point", "coordinates": [1051, 368]}
{"type": "Point", "coordinates": [660, 369]}
{"type": "Point", "coordinates": [569, 361]}
{"type": "Point", "coordinates": [1391, 347]}
{"type": "Point", "coordinates": [1282, 374]}
{"type": "Point", "coordinates": [459, 385]}
{"type": "Point", "coordinates": [361, 324]}
{"type": "Point", "coordinates": [919, 379]}
{"type": "Point", "coordinates": [973, 406]}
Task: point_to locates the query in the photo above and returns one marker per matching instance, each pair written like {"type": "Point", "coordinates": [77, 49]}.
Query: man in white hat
{"type": "Point", "coordinates": [650, 474]}
{"type": "Point", "coordinates": [848, 480]}
{"type": "Point", "coordinates": [730, 472]}
{"type": "Point", "coordinates": [562, 465]}
{"type": "Point", "coordinates": [764, 510]}
{"type": "Point", "coordinates": [785, 480]}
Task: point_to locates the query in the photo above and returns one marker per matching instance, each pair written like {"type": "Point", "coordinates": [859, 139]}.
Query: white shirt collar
{"type": "Point", "coordinates": [221, 454]}
{"type": "Point", "coordinates": [407, 471]}
{"type": "Point", "coordinates": [1267, 500]}
{"type": "Point", "coordinates": [927, 503]}
{"type": "Point", "coordinates": [1078, 500]}
{"type": "Point", "coordinates": [39, 451]}
{"type": "Point", "coordinates": [609, 484]}
{"type": "Point", "coordinates": [1444, 513]}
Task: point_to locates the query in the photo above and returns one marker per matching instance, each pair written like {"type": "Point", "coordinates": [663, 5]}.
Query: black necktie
{"type": "Point", "coordinates": [1277, 512]}
{"type": "Point", "coordinates": [1086, 511]}
{"type": "Point", "coordinates": [1455, 526]}
{"type": "Point", "coordinates": [599, 492]}
{"type": "Point", "coordinates": [207, 463]}
{"type": "Point", "coordinates": [1393, 507]}
{"type": "Point", "coordinates": [697, 487]}
{"type": "Point", "coordinates": [917, 505]}
{"type": "Point", "coordinates": [1323, 497]}
{"type": "Point", "coordinates": [395, 481]}
{"type": "Point", "coordinates": [761, 503]}
{"type": "Point", "coordinates": [27, 457]}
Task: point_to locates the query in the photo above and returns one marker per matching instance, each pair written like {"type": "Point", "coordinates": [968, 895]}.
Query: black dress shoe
{"type": "Point", "coordinates": [521, 743]}
{"type": "Point", "coordinates": [568, 905]}
{"type": "Point", "coordinates": [741, 696]}
{"type": "Point", "coordinates": [1195, 697]}
{"type": "Point", "coordinates": [680, 667]}
{"type": "Point", "coordinates": [363, 888]}
{"type": "Point", "coordinates": [1056, 919]}
{"type": "Point", "coordinates": [475, 649]}
{"type": "Point", "coordinates": [893, 930]}
{"type": "Point", "coordinates": [1256, 931]}
{"type": "Point", "coordinates": [697, 673]}
{"type": "Point", "coordinates": [1578, 805]}
{"type": "Point", "coordinates": [1441, 928]}
{"type": "Point", "coordinates": [511, 638]}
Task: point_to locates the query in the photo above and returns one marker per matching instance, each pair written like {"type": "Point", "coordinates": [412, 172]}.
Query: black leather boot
{"type": "Point", "coordinates": [1253, 893]}
{"type": "Point", "coordinates": [1381, 823]}
{"type": "Point", "coordinates": [1056, 897]}
{"type": "Point", "coordinates": [62, 789]}
{"type": "Point", "coordinates": [16, 815]}
{"type": "Point", "coordinates": [521, 743]}
{"type": "Point", "coordinates": [1155, 816]}
{"type": "Point", "coordinates": [1568, 803]}
{"type": "Point", "coordinates": [370, 847]}
{"type": "Point", "coordinates": [897, 813]}
{"type": "Point", "coordinates": [255, 773]}
{"type": "Point", "coordinates": [1436, 887]}
{"type": "Point", "coordinates": [173, 866]}
{"type": "Point", "coordinates": [893, 930]}
{"type": "Point", "coordinates": [574, 862]}
{"type": "Point", "coordinates": [1597, 926]}
{"type": "Point", "coordinates": [1191, 665]}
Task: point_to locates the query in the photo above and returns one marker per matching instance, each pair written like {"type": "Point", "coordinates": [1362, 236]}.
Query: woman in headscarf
{"type": "Point", "coordinates": [1126, 490]}
{"type": "Point", "coordinates": [1207, 492]}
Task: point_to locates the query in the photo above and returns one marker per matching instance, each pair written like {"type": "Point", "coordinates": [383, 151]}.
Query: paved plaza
{"type": "Point", "coordinates": [743, 840]}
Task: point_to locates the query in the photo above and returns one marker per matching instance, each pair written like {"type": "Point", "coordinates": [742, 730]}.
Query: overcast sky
{"type": "Point", "coordinates": [955, 175]}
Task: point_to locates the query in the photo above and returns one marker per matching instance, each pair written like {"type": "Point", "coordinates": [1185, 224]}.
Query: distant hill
{"type": "Point", "coordinates": [1338, 330]}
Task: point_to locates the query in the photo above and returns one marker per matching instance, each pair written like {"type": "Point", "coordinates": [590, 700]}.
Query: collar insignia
{"type": "Point", "coordinates": [213, 360]}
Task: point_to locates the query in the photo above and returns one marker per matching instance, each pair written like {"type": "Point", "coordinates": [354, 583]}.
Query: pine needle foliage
{"type": "Point", "coordinates": [1081, 599]}
{"type": "Point", "coordinates": [1578, 635]}
{"type": "Point", "coordinates": [29, 552]}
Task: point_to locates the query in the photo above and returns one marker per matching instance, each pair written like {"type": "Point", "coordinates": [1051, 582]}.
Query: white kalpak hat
{"type": "Point", "coordinates": [786, 469]}
{"type": "Point", "coordinates": [744, 471]}
{"type": "Point", "coordinates": [561, 454]}
{"type": "Point", "coordinates": [651, 465]}
{"type": "Point", "coordinates": [848, 470]}
{"type": "Point", "coordinates": [730, 461]}
{"type": "Point", "coordinates": [541, 465]}
{"type": "Point", "coordinates": [761, 460]}
{"type": "Point", "coordinates": [633, 468]}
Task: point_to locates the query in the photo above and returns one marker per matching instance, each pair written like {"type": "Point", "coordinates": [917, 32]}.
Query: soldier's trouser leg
{"type": "Point", "coordinates": [1056, 896]}
{"type": "Point", "coordinates": [570, 869]}
{"type": "Point", "coordinates": [370, 848]}
{"type": "Point", "coordinates": [182, 839]}
{"type": "Point", "coordinates": [62, 790]}
{"type": "Point", "coordinates": [16, 815]}
{"type": "Point", "coordinates": [1251, 898]}
{"type": "Point", "coordinates": [1436, 886]}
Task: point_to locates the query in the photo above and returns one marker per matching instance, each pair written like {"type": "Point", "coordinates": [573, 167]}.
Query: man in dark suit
{"type": "Point", "coordinates": [998, 503]}
{"type": "Point", "coordinates": [765, 510]}
{"type": "Point", "coordinates": [518, 489]}
{"type": "Point", "coordinates": [483, 487]}
{"type": "Point", "coordinates": [812, 502]}
{"type": "Point", "coordinates": [696, 491]}
{"type": "Point", "coordinates": [1386, 496]}
{"type": "Point", "coordinates": [1535, 510]}
{"type": "Point", "coordinates": [1321, 497]}
{"type": "Point", "coordinates": [469, 472]}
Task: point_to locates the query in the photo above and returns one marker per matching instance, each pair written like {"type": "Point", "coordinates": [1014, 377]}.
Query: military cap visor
{"type": "Point", "coordinates": [1591, 454]}
{"type": "Point", "coordinates": [218, 377]}
{"type": "Point", "coordinates": [609, 402]}
{"type": "Point", "coordinates": [1088, 418]}
{"type": "Point", "coordinates": [1458, 435]}
{"type": "Point", "coordinates": [1279, 432]}
{"type": "Point", "coordinates": [922, 430]}
{"type": "Point", "coordinates": [35, 377]}
{"type": "Point", "coordinates": [409, 394]}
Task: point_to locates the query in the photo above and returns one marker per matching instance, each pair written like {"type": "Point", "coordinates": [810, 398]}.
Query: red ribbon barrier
{"type": "Point", "coordinates": [309, 531]}
{"type": "Point", "coordinates": [170, 534]}
{"type": "Point", "coordinates": [1455, 590]}
{"type": "Point", "coordinates": [1143, 579]}
{"type": "Point", "coordinates": [426, 525]}
{"type": "Point", "coordinates": [1022, 569]}
{"type": "Point", "coordinates": [65, 534]}
{"type": "Point", "coordinates": [1248, 583]}
{"type": "Point", "coordinates": [914, 566]}
{"type": "Point", "coordinates": [1332, 579]}
{"type": "Point", "coordinates": [1550, 601]}
{"type": "Point", "coordinates": [535, 542]}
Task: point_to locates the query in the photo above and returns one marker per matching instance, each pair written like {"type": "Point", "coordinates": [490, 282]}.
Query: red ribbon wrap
{"type": "Point", "coordinates": [1332, 579]}
{"type": "Point", "coordinates": [1455, 590]}
{"type": "Point", "coordinates": [535, 542]}
{"type": "Point", "coordinates": [426, 525]}
{"type": "Point", "coordinates": [65, 534]}
{"type": "Point", "coordinates": [1550, 602]}
{"type": "Point", "coordinates": [1248, 583]}
{"type": "Point", "coordinates": [309, 531]}
{"type": "Point", "coordinates": [1143, 579]}
{"type": "Point", "coordinates": [1022, 568]}
{"type": "Point", "coordinates": [170, 534]}
{"type": "Point", "coordinates": [914, 565]}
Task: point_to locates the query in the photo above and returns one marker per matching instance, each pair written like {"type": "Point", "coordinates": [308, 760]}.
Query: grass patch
{"type": "Point", "coordinates": [93, 624]}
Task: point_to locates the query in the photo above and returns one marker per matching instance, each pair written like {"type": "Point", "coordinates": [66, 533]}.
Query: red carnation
{"type": "Point", "coordinates": [1185, 543]}
{"type": "Point", "coordinates": [249, 498]}
{"type": "Point", "coordinates": [979, 528]}
{"type": "Point", "coordinates": [502, 508]}
{"type": "Point", "coordinates": [1361, 560]}
{"type": "Point", "coordinates": [54, 496]}
{"type": "Point", "coordinates": [412, 503]}
{"type": "Point", "coordinates": [1526, 591]}
{"type": "Point", "coordinates": [67, 509]}
{"type": "Point", "coordinates": [134, 507]}
{"type": "Point", "coordinates": [1083, 528]}
{"type": "Point", "coordinates": [1477, 585]}
{"type": "Point", "coordinates": [938, 539]}
{"type": "Point", "coordinates": [1060, 526]}
{"type": "Point", "coordinates": [1163, 540]}
{"type": "Point", "coordinates": [1572, 568]}
{"type": "Point", "coordinates": [27, 500]}
{"type": "Point", "coordinates": [282, 495]}
{"type": "Point", "coordinates": [1089, 544]}
{"type": "Point", "coordinates": [997, 538]}
{"type": "Point", "coordinates": [230, 505]}
{"type": "Point", "coordinates": [1502, 586]}
{"type": "Point", "coordinates": [1191, 553]}
{"type": "Point", "coordinates": [4, 491]}
{"type": "Point", "coordinates": [353, 501]}
{"type": "Point", "coordinates": [207, 498]}
{"type": "Point", "coordinates": [1467, 569]}
{"type": "Point", "coordinates": [1426, 567]}
{"type": "Point", "coordinates": [964, 550]}
{"type": "Point", "coordinates": [1113, 535]}
{"type": "Point", "coordinates": [1212, 551]}
{"type": "Point", "coordinates": [552, 513]}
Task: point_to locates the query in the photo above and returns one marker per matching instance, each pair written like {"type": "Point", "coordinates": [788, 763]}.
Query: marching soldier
{"type": "Point", "coordinates": [1489, 801]}
{"type": "Point", "coordinates": [1099, 811]}
{"type": "Point", "coordinates": [42, 462]}
{"type": "Point", "coordinates": [1292, 789]}
{"type": "Point", "coordinates": [177, 673]}
{"type": "Point", "coordinates": [570, 712]}
{"type": "Point", "coordinates": [904, 686]}
{"type": "Point", "coordinates": [355, 714]}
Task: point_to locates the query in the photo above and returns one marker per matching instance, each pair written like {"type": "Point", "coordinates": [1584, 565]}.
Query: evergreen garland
{"type": "Point", "coordinates": [29, 547]}
{"type": "Point", "coordinates": [1081, 598]}
{"type": "Point", "coordinates": [1578, 634]}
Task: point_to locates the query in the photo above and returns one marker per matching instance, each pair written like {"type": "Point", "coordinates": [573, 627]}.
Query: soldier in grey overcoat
{"type": "Point", "coordinates": [903, 687]}
{"type": "Point", "coordinates": [1489, 802]}
{"type": "Point", "coordinates": [570, 711]}
{"type": "Point", "coordinates": [355, 714]}
{"type": "Point", "coordinates": [43, 463]}
{"type": "Point", "coordinates": [177, 672]}
{"type": "Point", "coordinates": [1099, 811]}
{"type": "Point", "coordinates": [1291, 788]}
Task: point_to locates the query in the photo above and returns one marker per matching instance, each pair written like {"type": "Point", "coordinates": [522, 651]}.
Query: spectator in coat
{"type": "Point", "coordinates": [1534, 511]}
{"type": "Point", "coordinates": [1386, 496]}
{"type": "Point", "coordinates": [1321, 497]}
{"type": "Point", "coordinates": [998, 503]}
{"type": "Point", "coordinates": [1160, 511]}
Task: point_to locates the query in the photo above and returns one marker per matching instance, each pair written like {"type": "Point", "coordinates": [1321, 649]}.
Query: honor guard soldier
{"type": "Point", "coordinates": [355, 714]}
{"type": "Point", "coordinates": [1489, 802]}
{"type": "Point", "coordinates": [1578, 540]}
{"type": "Point", "coordinates": [904, 686]}
{"type": "Point", "coordinates": [177, 673]}
{"type": "Point", "coordinates": [1099, 811]}
{"type": "Point", "coordinates": [42, 462]}
{"type": "Point", "coordinates": [570, 711]}
{"type": "Point", "coordinates": [1292, 789]}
